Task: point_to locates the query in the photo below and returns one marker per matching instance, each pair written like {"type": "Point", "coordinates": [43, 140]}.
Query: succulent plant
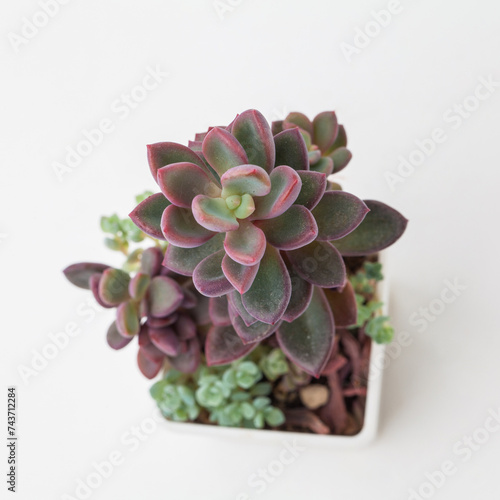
{"type": "Point", "coordinates": [250, 216]}
{"type": "Point", "coordinates": [155, 305]}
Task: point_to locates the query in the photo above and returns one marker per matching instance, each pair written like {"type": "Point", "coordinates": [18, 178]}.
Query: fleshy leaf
{"type": "Point", "coordinates": [94, 281]}
{"type": "Point", "coordinates": [223, 151]}
{"type": "Point", "coordinates": [320, 264]}
{"type": "Point", "coordinates": [218, 310]}
{"type": "Point", "coordinates": [223, 346]}
{"type": "Point", "coordinates": [188, 360]}
{"type": "Point", "coordinates": [301, 296]}
{"type": "Point", "coordinates": [127, 320]}
{"type": "Point", "coordinates": [324, 166]}
{"type": "Point", "coordinates": [293, 229]}
{"type": "Point", "coordinates": [337, 214]}
{"type": "Point", "coordinates": [165, 340]}
{"type": "Point", "coordinates": [149, 366]}
{"type": "Point", "coordinates": [165, 296]}
{"type": "Point", "coordinates": [162, 322]}
{"type": "Point", "coordinates": [241, 277]}
{"type": "Point", "coordinates": [343, 305]}
{"type": "Point", "coordinates": [181, 229]}
{"type": "Point", "coordinates": [235, 301]}
{"type": "Point", "coordinates": [254, 333]}
{"type": "Point", "coordinates": [277, 127]}
{"type": "Point", "coordinates": [308, 341]}
{"type": "Point", "coordinates": [243, 179]}
{"type": "Point", "coordinates": [113, 286]}
{"type": "Point", "coordinates": [208, 277]}
{"type": "Point", "coordinates": [246, 208]}
{"type": "Point", "coordinates": [341, 157]}
{"type": "Point", "coordinates": [270, 292]}
{"type": "Point", "coordinates": [139, 285]}
{"type": "Point", "coordinates": [295, 119]}
{"type": "Point", "coordinates": [147, 215]}
{"type": "Point", "coordinates": [313, 188]}
{"type": "Point", "coordinates": [213, 214]}
{"type": "Point", "coordinates": [181, 182]}
{"type": "Point", "coordinates": [325, 128]}
{"type": "Point", "coordinates": [291, 149]}
{"type": "Point", "coordinates": [285, 188]}
{"type": "Point", "coordinates": [340, 140]}
{"type": "Point", "coordinates": [185, 328]}
{"type": "Point", "coordinates": [381, 227]}
{"type": "Point", "coordinates": [253, 132]}
{"type": "Point", "coordinates": [115, 339]}
{"type": "Point", "coordinates": [79, 274]}
{"type": "Point", "coordinates": [184, 260]}
{"type": "Point", "coordinates": [151, 260]}
{"type": "Point", "coordinates": [245, 245]}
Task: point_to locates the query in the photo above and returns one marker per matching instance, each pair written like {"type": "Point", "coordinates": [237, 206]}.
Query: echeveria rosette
{"type": "Point", "coordinates": [155, 305]}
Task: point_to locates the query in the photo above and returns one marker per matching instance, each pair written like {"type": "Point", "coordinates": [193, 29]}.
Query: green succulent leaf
{"type": "Point", "coordinates": [325, 129]}
{"type": "Point", "coordinates": [147, 215]}
{"type": "Point", "coordinates": [127, 319]}
{"type": "Point", "coordinates": [165, 296]}
{"type": "Point", "coordinates": [113, 286]}
{"type": "Point", "coordinates": [291, 149]}
{"type": "Point", "coordinates": [313, 188]}
{"type": "Point", "coordinates": [79, 274]}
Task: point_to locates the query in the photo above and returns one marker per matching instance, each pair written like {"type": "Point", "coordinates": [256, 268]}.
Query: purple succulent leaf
{"type": "Point", "coordinates": [223, 346]}
{"type": "Point", "coordinates": [324, 165]}
{"type": "Point", "coordinates": [325, 130]}
{"type": "Point", "coordinates": [340, 140]}
{"type": "Point", "coordinates": [338, 214]}
{"type": "Point", "coordinates": [340, 157]}
{"type": "Point", "coordinates": [165, 340]}
{"type": "Point", "coordinates": [218, 310]}
{"type": "Point", "coordinates": [245, 179]}
{"type": "Point", "coordinates": [195, 146]}
{"type": "Point", "coordinates": [293, 229]}
{"type": "Point", "coordinates": [291, 149]}
{"type": "Point", "coordinates": [213, 214]}
{"type": "Point", "coordinates": [139, 285]}
{"type": "Point", "coordinates": [300, 298]}
{"type": "Point", "coordinates": [308, 341]}
{"type": "Point", "coordinates": [277, 127]}
{"type": "Point", "coordinates": [184, 260]}
{"type": "Point", "coordinates": [268, 297]}
{"type": "Point", "coordinates": [319, 263]}
{"type": "Point", "coordinates": [381, 227]}
{"type": "Point", "coordinates": [188, 360]}
{"type": "Point", "coordinates": [246, 245]}
{"type": "Point", "coordinates": [223, 151]}
{"type": "Point", "coordinates": [185, 328]}
{"type": "Point", "coordinates": [181, 182]}
{"type": "Point", "coordinates": [151, 261]}
{"type": "Point", "coordinates": [343, 305]}
{"type": "Point", "coordinates": [79, 274]}
{"type": "Point", "coordinates": [314, 156]}
{"type": "Point", "coordinates": [254, 333]}
{"type": "Point", "coordinates": [313, 188]}
{"type": "Point", "coordinates": [165, 296]}
{"type": "Point", "coordinates": [162, 154]}
{"type": "Point", "coordinates": [200, 311]}
{"type": "Point", "coordinates": [208, 277]}
{"type": "Point", "coordinates": [190, 299]}
{"type": "Point", "coordinates": [285, 188]}
{"type": "Point", "coordinates": [147, 215]}
{"type": "Point", "coordinates": [127, 319]}
{"type": "Point", "coordinates": [240, 276]}
{"type": "Point", "coordinates": [253, 132]}
{"type": "Point", "coordinates": [94, 281]}
{"type": "Point", "coordinates": [113, 287]}
{"type": "Point", "coordinates": [149, 366]}
{"type": "Point", "coordinates": [181, 229]}
{"type": "Point", "coordinates": [161, 322]}
{"type": "Point", "coordinates": [236, 305]}
{"type": "Point", "coordinates": [115, 339]}
{"type": "Point", "coordinates": [295, 119]}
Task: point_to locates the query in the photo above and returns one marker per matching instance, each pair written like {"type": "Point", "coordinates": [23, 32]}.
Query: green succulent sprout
{"type": "Point", "coordinates": [274, 364]}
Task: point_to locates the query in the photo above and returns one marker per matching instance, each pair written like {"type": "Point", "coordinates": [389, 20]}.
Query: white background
{"type": "Point", "coordinates": [276, 56]}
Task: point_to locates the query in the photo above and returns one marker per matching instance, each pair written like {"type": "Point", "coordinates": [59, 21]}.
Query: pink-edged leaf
{"type": "Point", "coordinates": [340, 140]}
{"type": "Point", "coordinates": [337, 214]}
{"type": "Point", "coordinates": [324, 166]}
{"type": "Point", "coordinates": [188, 360]}
{"type": "Point", "coordinates": [115, 339]}
{"type": "Point", "coordinates": [295, 119]}
{"type": "Point", "coordinates": [151, 260]}
{"type": "Point", "coordinates": [139, 285]}
{"type": "Point", "coordinates": [277, 127]}
{"type": "Point", "coordinates": [320, 264]}
{"type": "Point", "coordinates": [213, 214]}
{"type": "Point", "coordinates": [79, 274]}
{"type": "Point", "coordinates": [162, 154]}
{"type": "Point", "coordinates": [253, 132]}
{"type": "Point", "coordinates": [195, 146]}
{"type": "Point", "coordinates": [313, 188]}
{"type": "Point", "coordinates": [240, 276]}
{"type": "Point", "coordinates": [150, 367]}
{"type": "Point", "coordinates": [325, 129]}
{"type": "Point", "coordinates": [343, 305]}
{"type": "Point", "coordinates": [185, 328]}
{"type": "Point", "coordinates": [268, 297]}
{"type": "Point", "coordinates": [223, 151]}
{"type": "Point", "coordinates": [301, 296]}
{"type": "Point", "coordinates": [291, 149]}
{"type": "Point", "coordinates": [245, 179]}
{"type": "Point", "coordinates": [147, 215]}
{"type": "Point", "coordinates": [127, 319]}
{"type": "Point", "coordinates": [165, 340]}
{"type": "Point", "coordinates": [184, 260]}
{"type": "Point", "coordinates": [236, 306]}
{"type": "Point", "coordinates": [308, 341]}
{"type": "Point", "coordinates": [254, 333]}
{"type": "Point", "coordinates": [246, 245]}
{"type": "Point", "coordinates": [381, 227]}
{"type": "Point", "coordinates": [94, 281]}
{"type": "Point", "coordinates": [293, 229]}
{"type": "Point", "coordinates": [340, 157]}
{"type": "Point", "coordinates": [208, 277]}
{"type": "Point", "coordinates": [218, 310]}
{"type": "Point", "coordinates": [181, 229]}
{"type": "Point", "coordinates": [223, 346]}
{"type": "Point", "coordinates": [162, 322]}
{"type": "Point", "coordinates": [165, 296]}
{"type": "Point", "coordinates": [200, 136]}
{"type": "Point", "coordinates": [181, 182]}
{"type": "Point", "coordinates": [285, 188]}
{"type": "Point", "coordinates": [113, 286]}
